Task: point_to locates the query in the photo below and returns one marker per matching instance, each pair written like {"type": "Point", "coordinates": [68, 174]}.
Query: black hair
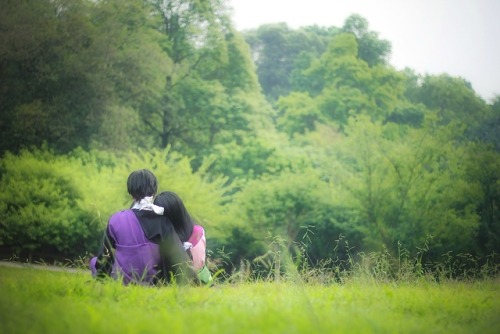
{"type": "Point", "coordinates": [142, 183]}
{"type": "Point", "coordinates": [176, 213]}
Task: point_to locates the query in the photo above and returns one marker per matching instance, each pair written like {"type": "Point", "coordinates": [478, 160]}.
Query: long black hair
{"type": "Point", "coordinates": [176, 213]}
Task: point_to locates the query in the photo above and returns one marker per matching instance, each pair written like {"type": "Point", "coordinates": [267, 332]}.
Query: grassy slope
{"type": "Point", "coordinates": [42, 301]}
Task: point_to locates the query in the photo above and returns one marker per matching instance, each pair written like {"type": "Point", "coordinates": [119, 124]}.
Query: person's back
{"type": "Point", "coordinates": [136, 257]}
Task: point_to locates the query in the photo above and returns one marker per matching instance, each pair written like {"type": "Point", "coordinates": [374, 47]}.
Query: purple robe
{"type": "Point", "coordinates": [136, 236]}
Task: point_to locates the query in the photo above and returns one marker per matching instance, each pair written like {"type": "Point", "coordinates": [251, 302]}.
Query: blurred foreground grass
{"type": "Point", "coordinates": [43, 301]}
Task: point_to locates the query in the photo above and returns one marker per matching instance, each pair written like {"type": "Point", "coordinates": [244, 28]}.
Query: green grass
{"type": "Point", "coordinates": [44, 301]}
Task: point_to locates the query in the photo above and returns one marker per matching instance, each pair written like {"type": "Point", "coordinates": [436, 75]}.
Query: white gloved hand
{"type": "Point", "coordinates": [157, 209]}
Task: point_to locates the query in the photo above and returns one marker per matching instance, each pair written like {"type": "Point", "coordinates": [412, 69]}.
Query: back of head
{"type": "Point", "coordinates": [142, 183]}
{"type": "Point", "coordinates": [176, 213]}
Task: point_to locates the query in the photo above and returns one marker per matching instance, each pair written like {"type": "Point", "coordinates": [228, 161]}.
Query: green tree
{"type": "Point", "coordinates": [131, 72]}
{"type": "Point", "coordinates": [296, 207]}
{"type": "Point", "coordinates": [297, 113]}
{"type": "Point", "coordinates": [194, 34]}
{"type": "Point", "coordinates": [32, 95]}
{"type": "Point", "coordinates": [371, 49]}
{"type": "Point", "coordinates": [73, 72]}
{"type": "Point", "coordinates": [486, 125]}
{"type": "Point", "coordinates": [346, 86]}
{"type": "Point", "coordinates": [205, 99]}
{"type": "Point", "coordinates": [482, 166]}
{"type": "Point", "coordinates": [453, 99]}
{"type": "Point", "coordinates": [408, 184]}
{"type": "Point", "coordinates": [281, 53]}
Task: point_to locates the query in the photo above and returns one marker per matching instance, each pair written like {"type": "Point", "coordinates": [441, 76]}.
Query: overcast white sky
{"type": "Point", "coordinates": [458, 37]}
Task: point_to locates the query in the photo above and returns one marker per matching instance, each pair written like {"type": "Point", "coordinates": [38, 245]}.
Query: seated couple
{"type": "Point", "coordinates": [152, 242]}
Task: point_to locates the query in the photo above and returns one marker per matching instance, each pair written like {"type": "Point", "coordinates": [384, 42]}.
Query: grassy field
{"type": "Point", "coordinates": [45, 301]}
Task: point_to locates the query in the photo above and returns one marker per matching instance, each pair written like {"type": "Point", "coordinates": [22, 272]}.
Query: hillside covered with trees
{"type": "Point", "coordinates": [307, 136]}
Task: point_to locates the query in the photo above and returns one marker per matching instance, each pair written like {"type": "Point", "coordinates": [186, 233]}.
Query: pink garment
{"type": "Point", "coordinates": [198, 251]}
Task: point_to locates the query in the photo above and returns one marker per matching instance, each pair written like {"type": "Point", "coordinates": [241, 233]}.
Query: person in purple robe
{"type": "Point", "coordinates": [141, 245]}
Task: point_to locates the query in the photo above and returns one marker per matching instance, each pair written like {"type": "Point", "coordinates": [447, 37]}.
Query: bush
{"type": "Point", "coordinates": [56, 207]}
{"type": "Point", "coordinates": [40, 216]}
{"type": "Point", "coordinates": [297, 207]}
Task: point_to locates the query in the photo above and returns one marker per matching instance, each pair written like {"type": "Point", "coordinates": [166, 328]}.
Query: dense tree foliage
{"type": "Point", "coordinates": [307, 136]}
{"type": "Point", "coordinates": [74, 73]}
{"type": "Point", "coordinates": [371, 49]}
{"type": "Point", "coordinates": [111, 75]}
{"type": "Point", "coordinates": [281, 53]}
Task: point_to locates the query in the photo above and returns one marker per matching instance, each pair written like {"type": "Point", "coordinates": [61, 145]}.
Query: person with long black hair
{"type": "Point", "coordinates": [191, 234]}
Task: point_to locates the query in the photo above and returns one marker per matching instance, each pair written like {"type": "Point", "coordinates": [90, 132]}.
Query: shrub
{"type": "Point", "coordinates": [54, 207]}
{"type": "Point", "coordinates": [39, 212]}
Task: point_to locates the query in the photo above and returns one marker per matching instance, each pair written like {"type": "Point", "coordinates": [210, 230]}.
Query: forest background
{"type": "Point", "coordinates": [307, 138]}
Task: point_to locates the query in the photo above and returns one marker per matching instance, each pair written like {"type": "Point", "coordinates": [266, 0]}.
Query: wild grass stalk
{"type": "Point", "coordinates": [284, 261]}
